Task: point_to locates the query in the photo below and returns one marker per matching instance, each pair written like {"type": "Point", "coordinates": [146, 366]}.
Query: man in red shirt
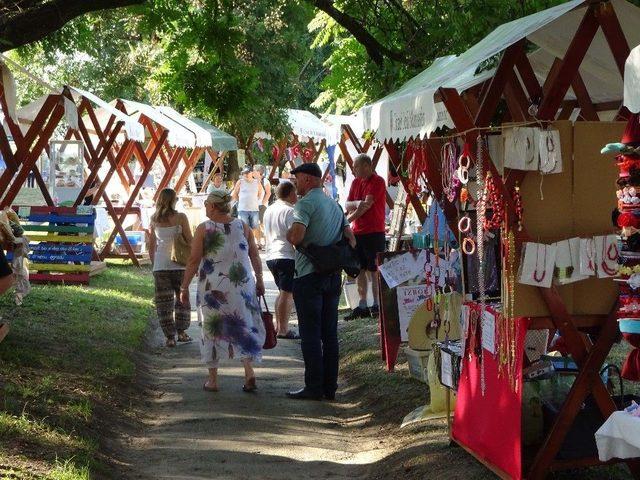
{"type": "Point", "coordinates": [366, 210]}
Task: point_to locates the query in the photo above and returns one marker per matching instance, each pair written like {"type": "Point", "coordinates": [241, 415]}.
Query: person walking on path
{"type": "Point", "coordinates": [223, 253]}
{"type": "Point", "coordinates": [278, 219]}
{"type": "Point", "coordinates": [248, 192]}
{"type": "Point", "coordinates": [166, 225]}
{"type": "Point", "coordinates": [318, 220]}
{"type": "Point", "coordinates": [258, 173]}
{"type": "Point", "coordinates": [366, 211]}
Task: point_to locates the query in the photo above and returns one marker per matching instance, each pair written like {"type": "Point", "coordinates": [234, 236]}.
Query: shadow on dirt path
{"type": "Point", "coordinates": [191, 434]}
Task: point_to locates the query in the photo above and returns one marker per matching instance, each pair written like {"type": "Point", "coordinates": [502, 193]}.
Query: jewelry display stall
{"type": "Point", "coordinates": [545, 200]}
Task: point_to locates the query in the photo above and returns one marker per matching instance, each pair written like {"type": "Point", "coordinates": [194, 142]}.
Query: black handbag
{"type": "Point", "coordinates": [333, 258]}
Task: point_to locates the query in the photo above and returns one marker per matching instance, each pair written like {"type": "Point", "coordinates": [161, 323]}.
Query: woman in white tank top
{"type": "Point", "coordinates": [166, 225]}
{"type": "Point", "coordinates": [248, 192]}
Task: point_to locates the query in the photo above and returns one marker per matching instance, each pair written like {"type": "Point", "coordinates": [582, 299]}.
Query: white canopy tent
{"type": "Point", "coordinates": [632, 81]}
{"type": "Point", "coordinates": [411, 111]}
{"type": "Point", "coordinates": [27, 113]}
{"type": "Point", "coordinates": [179, 135]}
{"type": "Point", "coordinates": [203, 138]}
{"type": "Point", "coordinates": [305, 124]}
{"type": "Point", "coordinates": [335, 123]}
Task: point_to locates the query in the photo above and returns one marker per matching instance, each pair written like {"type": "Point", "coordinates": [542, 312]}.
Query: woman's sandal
{"type": "Point", "coordinates": [206, 388]}
{"type": "Point", "coordinates": [171, 342]}
{"type": "Point", "coordinates": [250, 386]}
{"type": "Point", "coordinates": [184, 338]}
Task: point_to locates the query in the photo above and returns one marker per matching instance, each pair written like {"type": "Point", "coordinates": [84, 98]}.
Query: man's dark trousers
{"type": "Point", "coordinates": [316, 297]}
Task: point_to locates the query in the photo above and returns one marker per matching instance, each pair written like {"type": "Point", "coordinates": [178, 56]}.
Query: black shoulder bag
{"type": "Point", "coordinates": [333, 258]}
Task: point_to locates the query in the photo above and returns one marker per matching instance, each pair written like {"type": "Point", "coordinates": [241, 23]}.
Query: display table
{"type": "Point", "coordinates": [619, 437]}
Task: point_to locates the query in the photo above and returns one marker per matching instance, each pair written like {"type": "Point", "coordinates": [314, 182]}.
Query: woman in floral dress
{"type": "Point", "coordinates": [223, 253]}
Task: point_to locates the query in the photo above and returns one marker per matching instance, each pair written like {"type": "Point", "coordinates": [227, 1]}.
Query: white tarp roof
{"type": "Point", "coordinates": [335, 123]}
{"type": "Point", "coordinates": [632, 81]}
{"type": "Point", "coordinates": [411, 111]}
{"type": "Point", "coordinates": [133, 129]}
{"type": "Point", "coordinates": [306, 124]}
{"type": "Point", "coordinates": [203, 139]}
{"type": "Point", "coordinates": [27, 113]}
{"type": "Point", "coordinates": [178, 136]}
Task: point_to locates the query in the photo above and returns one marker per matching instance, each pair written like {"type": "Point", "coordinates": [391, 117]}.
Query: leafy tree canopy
{"type": "Point", "coordinates": [377, 45]}
{"type": "Point", "coordinates": [236, 64]}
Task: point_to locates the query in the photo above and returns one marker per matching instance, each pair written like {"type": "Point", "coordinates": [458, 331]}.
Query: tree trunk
{"type": "Point", "coordinates": [20, 25]}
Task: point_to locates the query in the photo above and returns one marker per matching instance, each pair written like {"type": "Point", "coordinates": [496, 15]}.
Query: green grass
{"type": "Point", "coordinates": [66, 370]}
{"type": "Point", "coordinates": [362, 365]}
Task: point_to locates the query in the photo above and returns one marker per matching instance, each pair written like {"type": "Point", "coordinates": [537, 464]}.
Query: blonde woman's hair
{"type": "Point", "coordinates": [221, 199]}
{"type": "Point", "coordinates": [165, 206]}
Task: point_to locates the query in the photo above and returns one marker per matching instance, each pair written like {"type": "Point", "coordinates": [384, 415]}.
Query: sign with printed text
{"type": "Point", "coordinates": [409, 299]}
{"type": "Point", "coordinates": [84, 209]}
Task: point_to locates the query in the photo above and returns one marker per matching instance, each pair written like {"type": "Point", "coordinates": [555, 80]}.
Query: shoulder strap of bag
{"type": "Point", "coordinates": [264, 300]}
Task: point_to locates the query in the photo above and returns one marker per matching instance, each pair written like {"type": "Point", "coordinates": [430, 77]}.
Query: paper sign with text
{"type": "Point", "coordinates": [409, 299]}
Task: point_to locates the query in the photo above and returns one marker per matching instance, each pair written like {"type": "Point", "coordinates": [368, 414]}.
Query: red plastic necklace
{"type": "Point", "coordinates": [544, 264]}
{"type": "Point", "coordinates": [606, 268]}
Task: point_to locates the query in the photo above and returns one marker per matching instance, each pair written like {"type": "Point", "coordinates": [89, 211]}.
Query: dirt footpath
{"type": "Point", "coordinates": [192, 434]}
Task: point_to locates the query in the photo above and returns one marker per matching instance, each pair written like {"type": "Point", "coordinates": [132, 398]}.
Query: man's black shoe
{"type": "Point", "coordinates": [303, 394]}
{"type": "Point", "coordinates": [358, 312]}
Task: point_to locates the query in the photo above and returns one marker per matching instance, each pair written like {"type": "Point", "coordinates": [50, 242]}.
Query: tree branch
{"type": "Point", "coordinates": [26, 25]}
{"type": "Point", "coordinates": [374, 48]}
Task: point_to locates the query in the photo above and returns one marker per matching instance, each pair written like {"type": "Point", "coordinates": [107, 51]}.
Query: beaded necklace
{"type": "Point", "coordinates": [551, 161]}
{"type": "Point", "coordinates": [450, 181]}
{"type": "Point", "coordinates": [480, 221]}
{"type": "Point", "coordinates": [495, 203]}
{"type": "Point", "coordinates": [506, 323]}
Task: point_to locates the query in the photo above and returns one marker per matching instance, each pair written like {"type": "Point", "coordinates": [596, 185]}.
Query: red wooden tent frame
{"type": "Point", "coordinates": [147, 156]}
{"type": "Point", "coordinates": [118, 157]}
{"type": "Point", "coordinates": [106, 149]}
{"type": "Point", "coordinates": [293, 141]}
{"type": "Point", "coordinates": [29, 147]}
{"type": "Point", "coordinates": [474, 110]}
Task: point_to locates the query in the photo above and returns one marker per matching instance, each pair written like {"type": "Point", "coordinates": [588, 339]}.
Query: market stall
{"type": "Point", "coordinates": [168, 141]}
{"type": "Point", "coordinates": [532, 219]}
{"type": "Point", "coordinates": [221, 144]}
{"type": "Point", "coordinates": [309, 137]}
{"type": "Point", "coordinates": [61, 166]}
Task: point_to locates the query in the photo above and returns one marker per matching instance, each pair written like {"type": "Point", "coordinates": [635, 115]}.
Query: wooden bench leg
{"type": "Point", "coordinates": [4, 329]}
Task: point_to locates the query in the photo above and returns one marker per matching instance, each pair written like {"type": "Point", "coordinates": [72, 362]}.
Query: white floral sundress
{"type": "Point", "coordinates": [231, 318]}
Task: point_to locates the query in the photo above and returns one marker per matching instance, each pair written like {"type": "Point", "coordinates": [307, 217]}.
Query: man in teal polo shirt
{"type": "Point", "coordinates": [318, 220]}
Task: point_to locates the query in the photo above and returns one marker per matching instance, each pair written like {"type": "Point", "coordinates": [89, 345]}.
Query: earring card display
{"type": "Point", "coordinates": [393, 328]}
{"type": "Point", "coordinates": [521, 148]}
{"type": "Point", "coordinates": [567, 269]}
{"type": "Point", "coordinates": [576, 203]}
{"type": "Point", "coordinates": [61, 243]}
